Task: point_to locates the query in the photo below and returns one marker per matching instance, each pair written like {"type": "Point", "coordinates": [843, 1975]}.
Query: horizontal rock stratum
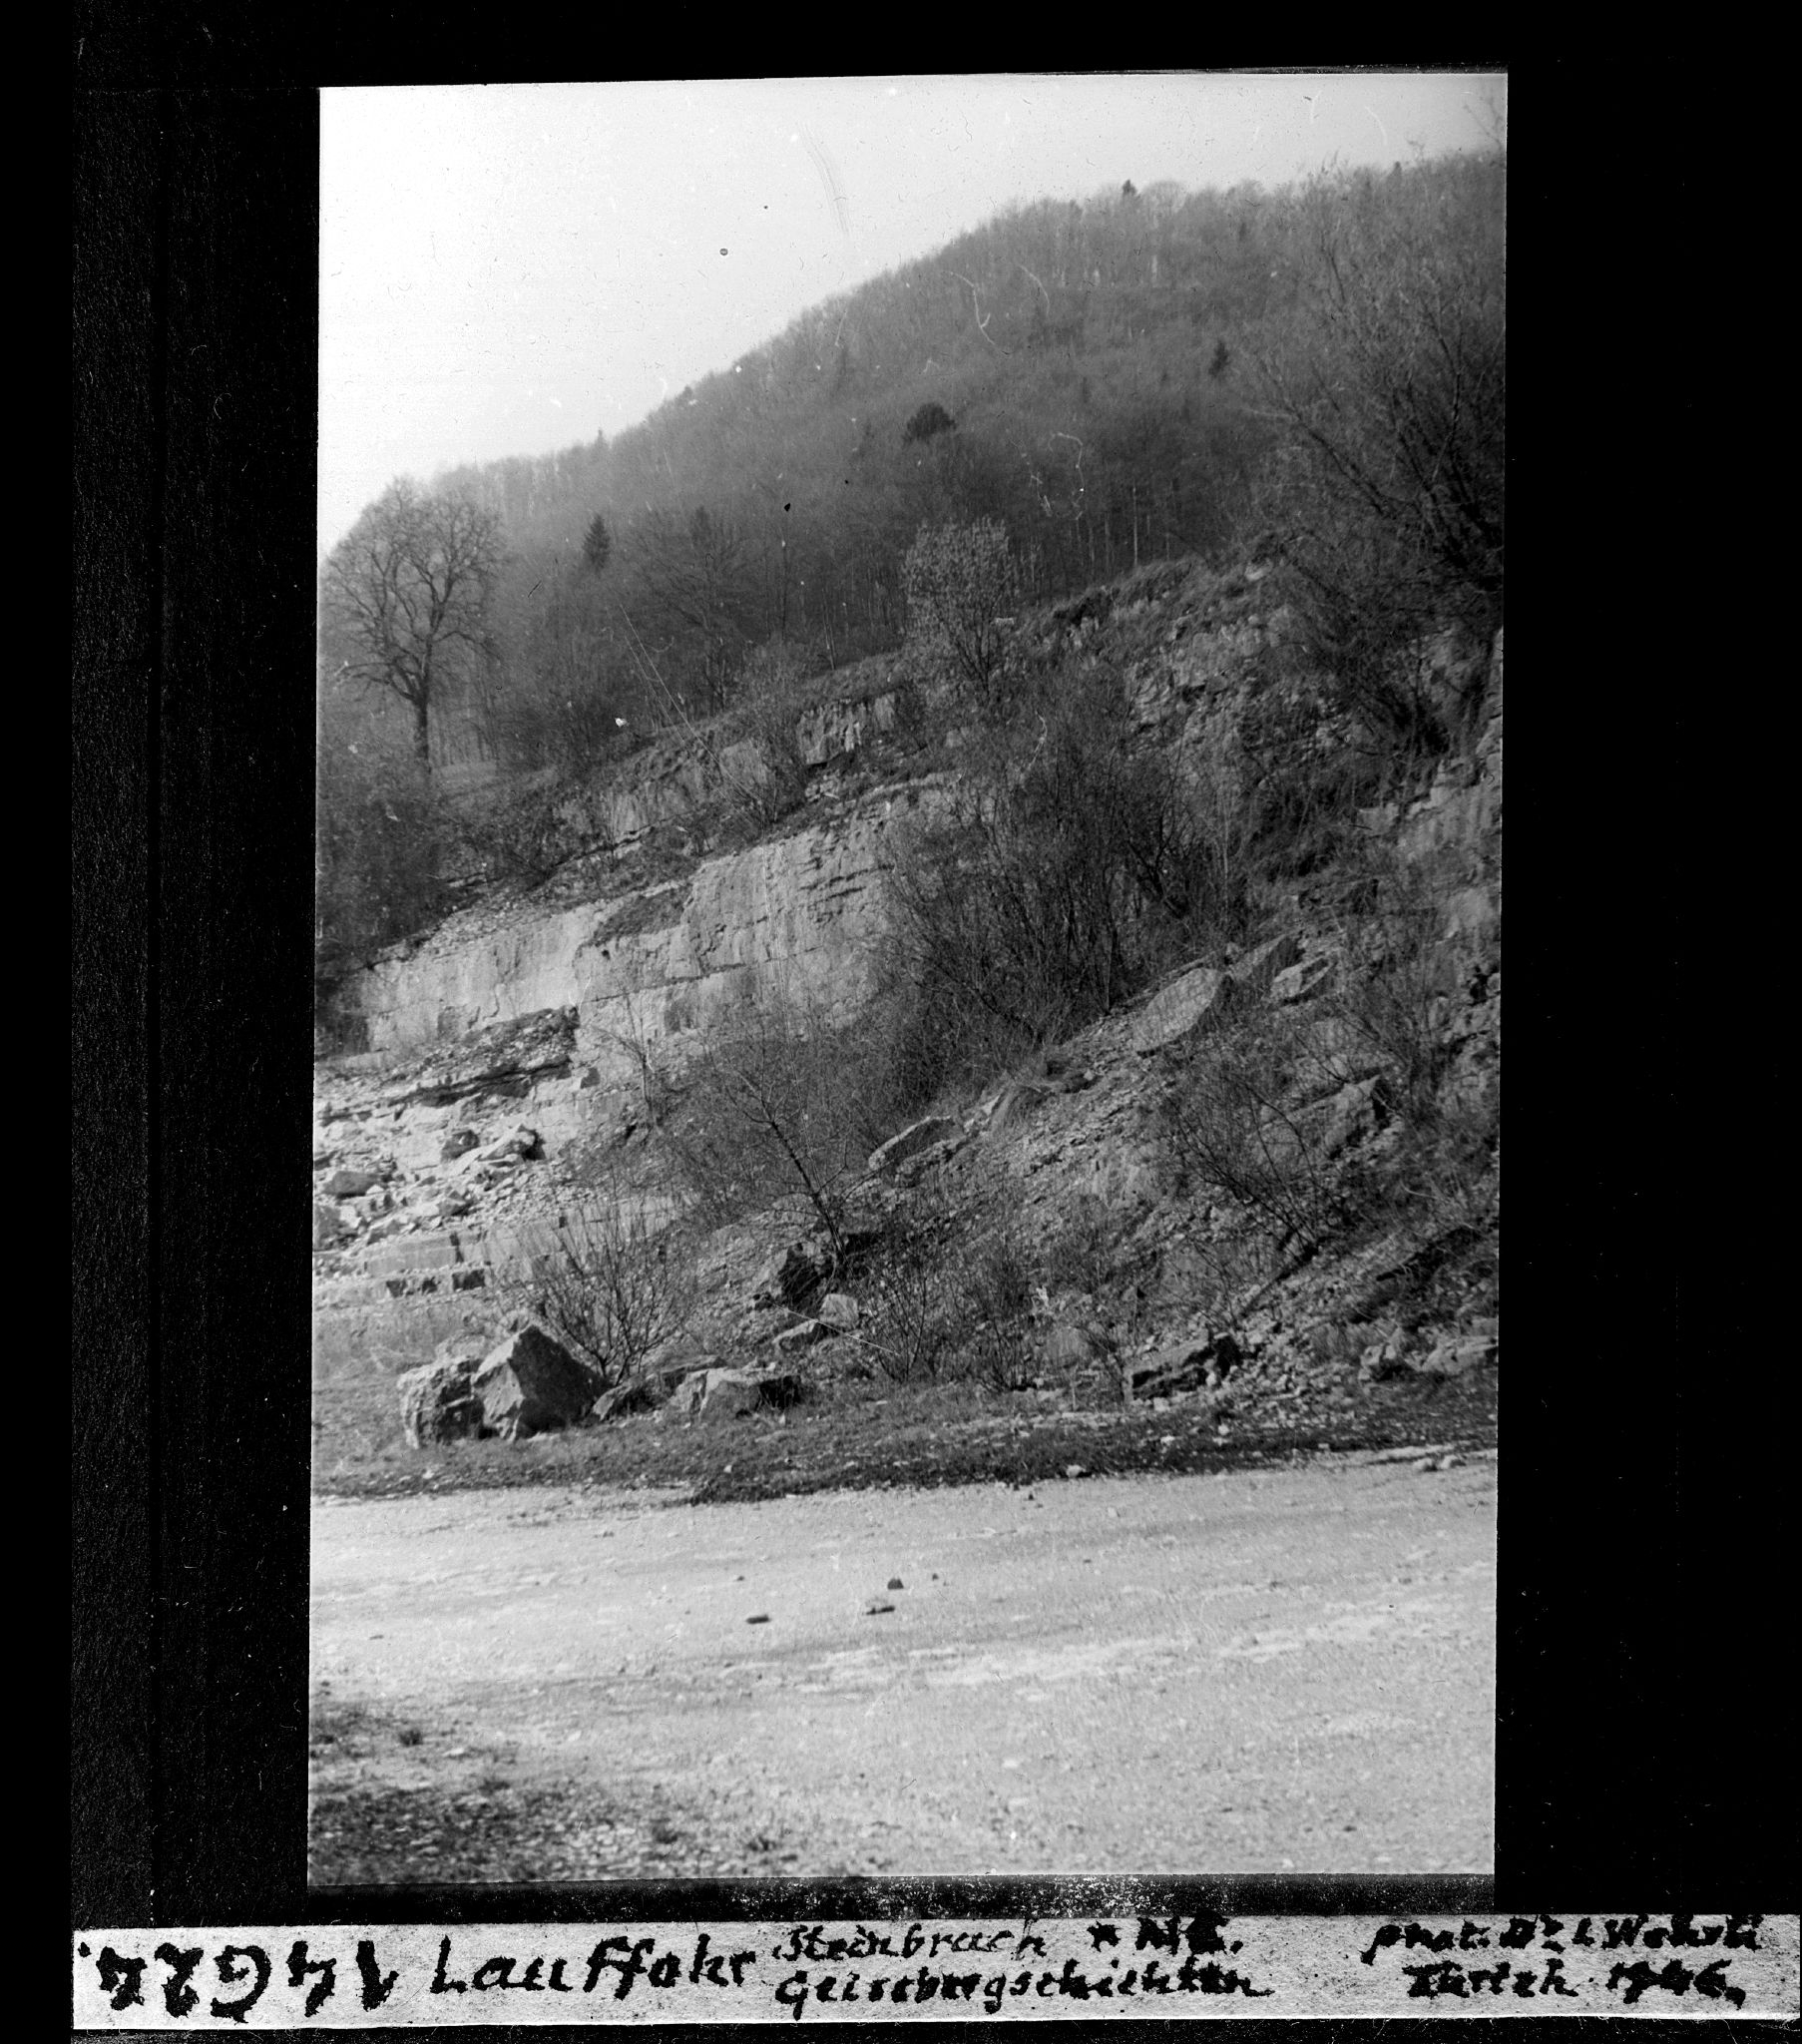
{"type": "Point", "coordinates": [798, 918]}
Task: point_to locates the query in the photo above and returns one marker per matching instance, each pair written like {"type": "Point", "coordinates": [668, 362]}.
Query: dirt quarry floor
{"type": "Point", "coordinates": [1254, 1670]}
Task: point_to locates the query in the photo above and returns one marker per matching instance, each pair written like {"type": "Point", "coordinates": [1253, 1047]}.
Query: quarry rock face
{"type": "Point", "coordinates": [798, 920]}
{"type": "Point", "coordinates": [513, 1056]}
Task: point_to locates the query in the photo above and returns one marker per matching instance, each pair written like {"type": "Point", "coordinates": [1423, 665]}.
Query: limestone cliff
{"type": "Point", "coordinates": [509, 1050]}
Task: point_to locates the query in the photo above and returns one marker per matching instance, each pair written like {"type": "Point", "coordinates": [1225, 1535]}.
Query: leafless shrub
{"type": "Point", "coordinates": [530, 830]}
{"type": "Point", "coordinates": [948, 1294]}
{"type": "Point", "coordinates": [1225, 1268]}
{"type": "Point", "coordinates": [767, 715]}
{"type": "Point", "coordinates": [1072, 866]}
{"type": "Point", "coordinates": [1235, 1128]}
{"type": "Point", "coordinates": [1079, 1253]}
{"type": "Point", "coordinates": [1393, 1001]}
{"type": "Point", "coordinates": [997, 1299]}
{"type": "Point", "coordinates": [1390, 386]}
{"type": "Point", "coordinates": [610, 1286]}
{"type": "Point", "coordinates": [911, 1320]}
{"type": "Point", "coordinates": [782, 1103]}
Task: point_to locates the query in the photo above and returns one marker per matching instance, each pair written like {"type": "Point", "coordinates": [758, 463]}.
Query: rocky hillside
{"type": "Point", "coordinates": [1264, 1180]}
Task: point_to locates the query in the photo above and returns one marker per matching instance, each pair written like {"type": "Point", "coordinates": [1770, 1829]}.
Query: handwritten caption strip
{"type": "Point", "coordinates": [339, 1977]}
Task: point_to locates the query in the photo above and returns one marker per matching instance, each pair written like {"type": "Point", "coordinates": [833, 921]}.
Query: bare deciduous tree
{"type": "Point", "coordinates": [698, 578]}
{"type": "Point", "coordinates": [406, 594]}
{"type": "Point", "coordinates": [963, 583]}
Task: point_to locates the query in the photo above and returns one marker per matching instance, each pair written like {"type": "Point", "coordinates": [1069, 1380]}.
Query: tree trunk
{"type": "Point", "coordinates": [422, 735]}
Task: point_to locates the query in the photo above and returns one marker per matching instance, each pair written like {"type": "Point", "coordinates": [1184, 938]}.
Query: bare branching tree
{"type": "Point", "coordinates": [406, 593]}
{"type": "Point", "coordinates": [696, 577]}
{"type": "Point", "coordinates": [1389, 388]}
{"type": "Point", "coordinates": [612, 1286]}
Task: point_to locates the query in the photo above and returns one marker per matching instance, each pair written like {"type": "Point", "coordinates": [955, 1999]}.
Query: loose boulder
{"type": "Point", "coordinates": [1301, 983]}
{"type": "Point", "coordinates": [532, 1385]}
{"type": "Point", "coordinates": [803, 1334]}
{"type": "Point", "coordinates": [1200, 997]}
{"type": "Point", "coordinates": [349, 1184]}
{"type": "Point", "coordinates": [1385, 1359]}
{"type": "Point", "coordinates": [1351, 1115]}
{"type": "Point", "coordinates": [636, 1394]}
{"type": "Point", "coordinates": [936, 1128]}
{"type": "Point", "coordinates": [791, 1274]}
{"type": "Point", "coordinates": [1257, 970]}
{"type": "Point", "coordinates": [727, 1394]}
{"type": "Point", "coordinates": [438, 1403]}
{"type": "Point", "coordinates": [1451, 1357]}
{"type": "Point", "coordinates": [456, 1143]}
{"type": "Point", "coordinates": [838, 1310]}
{"type": "Point", "coordinates": [1183, 1366]}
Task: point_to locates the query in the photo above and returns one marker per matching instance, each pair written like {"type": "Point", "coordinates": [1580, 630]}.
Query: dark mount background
{"type": "Point", "coordinates": [1645, 1758]}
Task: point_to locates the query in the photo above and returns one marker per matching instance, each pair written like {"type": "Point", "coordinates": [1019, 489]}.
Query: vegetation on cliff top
{"type": "Point", "coordinates": [1060, 397]}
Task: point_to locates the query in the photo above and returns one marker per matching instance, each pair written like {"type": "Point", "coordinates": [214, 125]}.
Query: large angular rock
{"type": "Point", "coordinates": [350, 1185]}
{"type": "Point", "coordinates": [804, 1334]}
{"type": "Point", "coordinates": [791, 1274]}
{"type": "Point", "coordinates": [1391, 1355]}
{"type": "Point", "coordinates": [1451, 1357]}
{"type": "Point", "coordinates": [1258, 968]}
{"type": "Point", "coordinates": [924, 1162]}
{"type": "Point", "coordinates": [727, 1394]}
{"type": "Point", "coordinates": [532, 1385]}
{"type": "Point", "coordinates": [636, 1394]}
{"type": "Point", "coordinates": [1204, 1360]}
{"type": "Point", "coordinates": [1301, 983]}
{"type": "Point", "coordinates": [936, 1128]}
{"type": "Point", "coordinates": [1205, 996]}
{"type": "Point", "coordinates": [438, 1403]}
{"type": "Point", "coordinates": [1351, 1115]}
{"type": "Point", "coordinates": [1201, 996]}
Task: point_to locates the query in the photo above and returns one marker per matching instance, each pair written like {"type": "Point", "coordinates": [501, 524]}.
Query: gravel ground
{"type": "Point", "coordinates": [1255, 1670]}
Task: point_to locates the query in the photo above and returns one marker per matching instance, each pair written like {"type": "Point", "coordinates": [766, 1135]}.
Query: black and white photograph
{"type": "Point", "coordinates": [907, 978]}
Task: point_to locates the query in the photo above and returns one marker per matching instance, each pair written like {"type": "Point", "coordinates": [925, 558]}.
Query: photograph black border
{"type": "Point", "coordinates": [1646, 1748]}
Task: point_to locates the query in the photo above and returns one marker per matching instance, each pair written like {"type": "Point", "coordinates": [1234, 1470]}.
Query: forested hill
{"type": "Point", "coordinates": [1143, 375]}
{"type": "Point", "coordinates": [1101, 378]}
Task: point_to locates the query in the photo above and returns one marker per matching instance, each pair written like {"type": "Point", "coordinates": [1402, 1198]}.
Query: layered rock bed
{"type": "Point", "coordinates": [507, 1101]}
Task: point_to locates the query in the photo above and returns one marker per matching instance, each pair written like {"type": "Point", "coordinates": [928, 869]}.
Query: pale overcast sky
{"type": "Point", "coordinates": [508, 269]}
